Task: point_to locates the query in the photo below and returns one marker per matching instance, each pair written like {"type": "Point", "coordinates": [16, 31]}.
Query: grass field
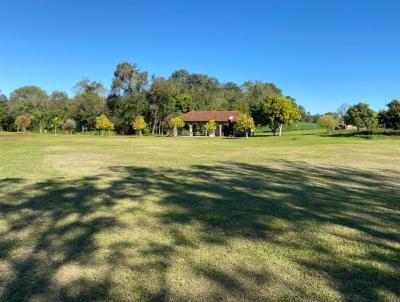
{"type": "Point", "coordinates": [297, 218]}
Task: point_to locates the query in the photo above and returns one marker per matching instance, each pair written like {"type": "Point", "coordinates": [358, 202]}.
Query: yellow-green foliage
{"type": "Point", "coordinates": [211, 126]}
{"type": "Point", "coordinates": [176, 122]}
{"type": "Point", "coordinates": [328, 121]}
{"type": "Point", "coordinates": [139, 124]}
{"type": "Point", "coordinates": [245, 122]}
{"type": "Point", "coordinates": [103, 123]}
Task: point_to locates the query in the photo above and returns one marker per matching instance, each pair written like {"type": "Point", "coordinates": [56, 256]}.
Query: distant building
{"type": "Point", "coordinates": [225, 121]}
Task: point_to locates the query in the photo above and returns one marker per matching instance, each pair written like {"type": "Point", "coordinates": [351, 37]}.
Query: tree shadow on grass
{"type": "Point", "coordinates": [296, 208]}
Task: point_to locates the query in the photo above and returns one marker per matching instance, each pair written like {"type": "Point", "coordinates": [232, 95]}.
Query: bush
{"type": "Point", "coordinates": [69, 126]}
{"type": "Point", "coordinates": [175, 123]}
{"type": "Point", "coordinates": [23, 122]}
{"type": "Point", "coordinates": [328, 121]}
{"type": "Point", "coordinates": [211, 126]}
{"type": "Point", "coordinates": [139, 124]}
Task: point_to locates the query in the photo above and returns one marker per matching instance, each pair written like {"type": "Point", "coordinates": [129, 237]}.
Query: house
{"type": "Point", "coordinates": [225, 121]}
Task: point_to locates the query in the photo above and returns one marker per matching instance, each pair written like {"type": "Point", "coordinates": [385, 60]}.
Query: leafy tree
{"type": "Point", "coordinates": [87, 86]}
{"type": "Point", "coordinates": [361, 116]}
{"type": "Point", "coordinates": [55, 123]}
{"type": "Point", "coordinates": [139, 124]}
{"type": "Point", "coordinates": [245, 123]}
{"type": "Point", "coordinates": [69, 126]}
{"type": "Point", "coordinates": [175, 123]}
{"type": "Point", "coordinates": [23, 122]}
{"type": "Point", "coordinates": [86, 106]}
{"type": "Point", "coordinates": [3, 111]}
{"type": "Point", "coordinates": [30, 99]}
{"type": "Point", "coordinates": [328, 121]}
{"type": "Point", "coordinates": [184, 103]}
{"type": "Point", "coordinates": [391, 117]}
{"type": "Point", "coordinates": [103, 123]}
{"type": "Point", "coordinates": [255, 94]}
{"type": "Point", "coordinates": [128, 80]}
{"type": "Point", "coordinates": [279, 111]}
{"type": "Point", "coordinates": [162, 101]}
{"type": "Point", "coordinates": [128, 106]}
{"type": "Point", "coordinates": [211, 126]}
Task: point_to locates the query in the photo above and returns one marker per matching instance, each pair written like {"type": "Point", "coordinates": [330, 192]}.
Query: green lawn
{"type": "Point", "coordinates": [296, 218]}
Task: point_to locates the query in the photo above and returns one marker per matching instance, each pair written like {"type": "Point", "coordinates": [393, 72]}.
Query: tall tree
{"type": "Point", "coordinates": [391, 117]}
{"type": "Point", "coordinates": [3, 111]}
{"type": "Point", "coordinates": [87, 105]}
{"type": "Point", "coordinates": [32, 100]}
{"type": "Point", "coordinates": [128, 79]}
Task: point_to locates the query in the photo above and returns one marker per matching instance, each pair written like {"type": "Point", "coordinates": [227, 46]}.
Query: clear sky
{"type": "Point", "coordinates": [323, 53]}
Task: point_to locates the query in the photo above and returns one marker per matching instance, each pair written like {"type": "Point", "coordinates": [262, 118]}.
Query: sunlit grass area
{"type": "Point", "coordinates": [303, 217]}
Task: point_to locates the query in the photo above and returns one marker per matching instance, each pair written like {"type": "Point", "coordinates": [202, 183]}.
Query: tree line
{"type": "Point", "coordinates": [135, 98]}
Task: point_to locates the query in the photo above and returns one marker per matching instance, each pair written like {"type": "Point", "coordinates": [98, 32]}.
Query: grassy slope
{"type": "Point", "coordinates": [301, 217]}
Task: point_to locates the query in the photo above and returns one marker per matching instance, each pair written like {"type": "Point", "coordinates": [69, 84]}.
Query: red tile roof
{"type": "Point", "coordinates": [206, 116]}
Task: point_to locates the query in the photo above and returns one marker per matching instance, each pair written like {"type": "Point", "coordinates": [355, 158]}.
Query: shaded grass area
{"type": "Point", "coordinates": [227, 230]}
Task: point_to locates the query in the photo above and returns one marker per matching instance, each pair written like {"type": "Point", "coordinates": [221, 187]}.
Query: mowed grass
{"type": "Point", "coordinates": [297, 218]}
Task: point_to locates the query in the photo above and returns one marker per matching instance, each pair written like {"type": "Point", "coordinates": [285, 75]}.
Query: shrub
{"type": "Point", "coordinates": [211, 126]}
{"type": "Point", "coordinates": [23, 122]}
{"type": "Point", "coordinates": [139, 124]}
{"type": "Point", "coordinates": [175, 123]}
{"type": "Point", "coordinates": [69, 126]}
{"type": "Point", "coordinates": [103, 123]}
{"type": "Point", "coordinates": [245, 123]}
{"type": "Point", "coordinates": [328, 121]}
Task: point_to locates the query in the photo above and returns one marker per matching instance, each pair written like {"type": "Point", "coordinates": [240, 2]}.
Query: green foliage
{"type": "Point", "coordinates": [390, 118]}
{"type": "Point", "coordinates": [23, 122]}
{"type": "Point", "coordinates": [329, 122]}
{"type": "Point", "coordinates": [279, 111]}
{"type": "Point", "coordinates": [361, 116]}
{"type": "Point", "coordinates": [139, 124]}
{"type": "Point", "coordinates": [85, 107]}
{"type": "Point", "coordinates": [245, 123]}
{"type": "Point", "coordinates": [211, 126]}
{"type": "Point", "coordinates": [3, 111]}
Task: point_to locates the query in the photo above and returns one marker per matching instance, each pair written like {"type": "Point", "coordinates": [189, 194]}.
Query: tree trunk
{"type": "Point", "coordinates": [175, 131]}
{"type": "Point", "coordinates": [140, 132]}
{"type": "Point", "coordinates": [155, 121]}
{"type": "Point", "coordinates": [280, 129]}
{"type": "Point", "coordinates": [247, 134]}
{"type": "Point", "coordinates": [41, 127]}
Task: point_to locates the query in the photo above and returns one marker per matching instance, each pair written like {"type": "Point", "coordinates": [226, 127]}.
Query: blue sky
{"type": "Point", "coordinates": [323, 53]}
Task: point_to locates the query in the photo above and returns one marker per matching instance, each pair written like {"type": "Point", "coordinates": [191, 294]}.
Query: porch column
{"type": "Point", "coordinates": [220, 129]}
{"type": "Point", "coordinates": [191, 129]}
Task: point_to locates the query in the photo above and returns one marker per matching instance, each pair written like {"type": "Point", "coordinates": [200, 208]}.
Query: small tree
{"type": "Point", "coordinates": [361, 116]}
{"type": "Point", "coordinates": [103, 123]}
{"type": "Point", "coordinates": [211, 127]}
{"type": "Point", "coordinates": [176, 123]}
{"type": "Point", "coordinates": [56, 123]}
{"type": "Point", "coordinates": [328, 121]}
{"type": "Point", "coordinates": [280, 110]}
{"type": "Point", "coordinates": [139, 124]}
{"type": "Point", "coordinates": [69, 126]}
{"type": "Point", "coordinates": [245, 123]}
{"type": "Point", "coordinates": [23, 122]}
